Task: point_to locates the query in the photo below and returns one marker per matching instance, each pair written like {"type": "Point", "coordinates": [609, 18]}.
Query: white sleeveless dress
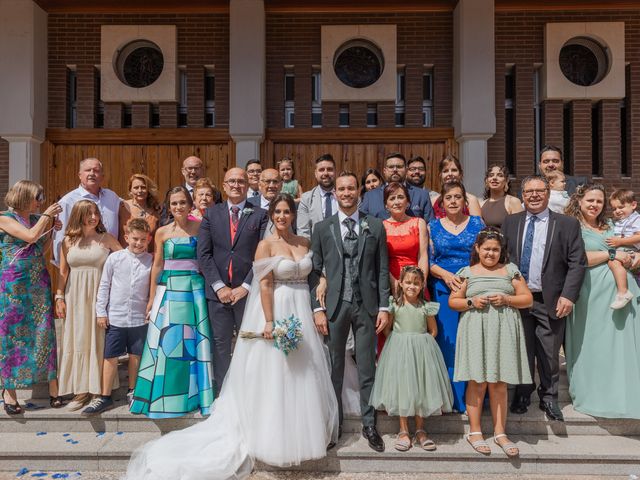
{"type": "Point", "coordinates": [277, 409]}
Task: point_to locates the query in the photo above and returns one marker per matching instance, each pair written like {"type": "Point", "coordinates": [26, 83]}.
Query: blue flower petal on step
{"type": "Point", "coordinates": [73, 442]}
{"type": "Point", "coordinates": [66, 434]}
{"type": "Point", "coordinates": [22, 471]}
{"type": "Point", "coordinates": [119, 433]}
{"type": "Point", "coordinates": [99, 434]}
{"type": "Point", "coordinates": [33, 406]}
{"type": "Point", "coordinates": [39, 434]}
{"type": "Point", "coordinates": [60, 475]}
{"type": "Point", "coordinates": [39, 474]}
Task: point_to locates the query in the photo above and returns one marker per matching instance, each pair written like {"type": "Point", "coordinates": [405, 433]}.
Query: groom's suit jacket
{"type": "Point", "coordinates": [216, 250]}
{"type": "Point", "coordinates": [373, 263]}
{"type": "Point", "coordinates": [564, 262]}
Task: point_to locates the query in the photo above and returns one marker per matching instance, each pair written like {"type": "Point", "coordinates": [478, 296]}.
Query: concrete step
{"type": "Point", "coordinates": [39, 417]}
{"type": "Point", "coordinates": [540, 454]}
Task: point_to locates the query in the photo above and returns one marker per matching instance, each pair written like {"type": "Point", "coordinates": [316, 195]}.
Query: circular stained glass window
{"type": "Point", "coordinates": [139, 63]}
{"type": "Point", "coordinates": [358, 63]}
{"type": "Point", "coordinates": [583, 61]}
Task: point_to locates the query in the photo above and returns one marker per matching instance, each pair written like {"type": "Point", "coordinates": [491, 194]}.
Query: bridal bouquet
{"type": "Point", "coordinates": [287, 334]}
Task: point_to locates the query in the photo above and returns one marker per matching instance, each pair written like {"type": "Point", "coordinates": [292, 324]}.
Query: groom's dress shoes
{"type": "Point", "coordinates": [552, 410]}
{"type": "Point", "coordinates": [374, 438]}
{"type": "Point", "coordinates": [520, 404]}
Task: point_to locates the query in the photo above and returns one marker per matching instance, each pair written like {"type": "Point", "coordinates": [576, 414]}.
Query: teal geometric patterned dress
{"type": "Point", "coordinates": [175, 375]}
{"type": "Point", "coordinates": [27, 335]}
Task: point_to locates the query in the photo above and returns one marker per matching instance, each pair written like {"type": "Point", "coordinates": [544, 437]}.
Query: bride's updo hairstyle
{"type": "Point", "coordinates": [282, 197]}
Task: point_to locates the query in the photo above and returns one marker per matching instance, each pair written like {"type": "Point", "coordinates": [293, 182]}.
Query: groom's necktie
{"type": "Point", "coordinates": [527, 249]}
{"type": "Point", "coordinates": [350, 241]}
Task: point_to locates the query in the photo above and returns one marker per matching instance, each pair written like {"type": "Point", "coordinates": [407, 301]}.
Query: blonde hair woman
{"type": "Point", "coordinates": [85, 248]}
{"type": "Point", "coordinates": [27, 335]}
{"type": "Point", "coordinates": [142, 204]}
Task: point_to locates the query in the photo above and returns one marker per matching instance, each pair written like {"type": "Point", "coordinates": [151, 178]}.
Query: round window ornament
{"type": "Point", "coordinates": [584, 61]}
{"type": "Point", "coordinates": [358, 63]}
{"type": "Point", "coordinates": [139, 63]}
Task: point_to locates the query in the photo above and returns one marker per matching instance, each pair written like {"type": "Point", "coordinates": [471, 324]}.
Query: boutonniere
{"type": "Point", "coordinates": [364, 225]}
{"type": "Point", "coordinates": [247, 211]}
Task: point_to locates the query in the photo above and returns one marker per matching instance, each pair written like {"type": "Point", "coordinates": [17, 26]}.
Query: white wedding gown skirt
{"type": "Point", "coordinates": [278, 409]}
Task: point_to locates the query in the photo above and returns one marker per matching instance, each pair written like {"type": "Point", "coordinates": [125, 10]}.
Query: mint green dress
{"type": "Point", "coordinates": [290, 187]}
{"type": "Point", "coordinates": [490, 346]}
{"type": "Point", "coordinates": [603, 345]}
{"type": "Point", "coordinates": [411, 378]}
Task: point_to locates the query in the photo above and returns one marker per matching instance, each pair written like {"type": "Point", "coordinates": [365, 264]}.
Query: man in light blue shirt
{"type": "Point", "coordinates": [91, 176]}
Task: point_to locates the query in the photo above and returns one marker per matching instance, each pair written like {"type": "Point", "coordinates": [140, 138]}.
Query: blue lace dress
{"type": "Point", "coordinates": [451, 252]}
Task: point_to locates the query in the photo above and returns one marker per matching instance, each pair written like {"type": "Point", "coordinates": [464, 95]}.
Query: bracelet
{"type": "Point", "coordinates": [507, 301]}
{"type": "Point", "coordinates": [47, 215]}
{"type": "Point", "coordinates": [59, 297]}
{"type": "Point", "coordinates": [268, 321]}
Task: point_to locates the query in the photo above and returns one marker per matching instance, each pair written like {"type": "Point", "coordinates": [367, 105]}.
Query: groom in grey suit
{"type": "Point", "coordinates": [351, 249]}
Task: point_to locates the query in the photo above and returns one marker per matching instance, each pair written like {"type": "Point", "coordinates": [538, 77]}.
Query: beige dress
{"type": "Point", "coordinates": [83, 341]}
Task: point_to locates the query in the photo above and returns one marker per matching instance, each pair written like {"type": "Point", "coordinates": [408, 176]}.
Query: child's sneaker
{"type": "Point", "coordinates": [621, 300]}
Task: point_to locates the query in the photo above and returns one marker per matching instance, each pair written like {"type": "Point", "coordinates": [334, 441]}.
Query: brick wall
{"type": "Point", "coordinates": [422, 39]}
{"type": "Point", "coordinates": [520, 42]}
{"type": "Point", "coordinates": [74, 39]}
{"type": "Point", "coordinates": [4, 171]}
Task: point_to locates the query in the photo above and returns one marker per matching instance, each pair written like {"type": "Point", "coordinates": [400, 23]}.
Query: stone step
{"type": "Point", "coordinates": [539, 454]}
{"type": "Point", "coordinates": [39, 417]}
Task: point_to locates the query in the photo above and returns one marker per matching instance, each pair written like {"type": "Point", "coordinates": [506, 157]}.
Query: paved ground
{"type": "Point", "coordinates": [329, 476]}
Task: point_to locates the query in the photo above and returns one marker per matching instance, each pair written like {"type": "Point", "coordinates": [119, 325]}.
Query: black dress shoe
{"type": "Point", "coordinates": [520, 404]}
{"type": "Point", "coordinates": [374, 438]}
{"type": "Point", "coordinates": [552, 410]}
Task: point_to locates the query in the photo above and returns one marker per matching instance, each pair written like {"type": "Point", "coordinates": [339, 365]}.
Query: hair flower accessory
{"type": "Point", "coordinates": [247, 211]}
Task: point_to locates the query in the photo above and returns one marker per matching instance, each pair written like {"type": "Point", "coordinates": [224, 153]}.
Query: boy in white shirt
{"type": "Point", "coordinates": [626, 228]}
{"type": "Point", "coordinates": [121, 304]}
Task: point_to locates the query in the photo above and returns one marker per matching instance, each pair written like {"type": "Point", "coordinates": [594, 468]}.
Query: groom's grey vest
{"type": "Point", "coordinates": [351, 287]}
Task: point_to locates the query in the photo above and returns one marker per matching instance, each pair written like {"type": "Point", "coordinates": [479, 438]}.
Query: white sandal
{"type": "Point", "coordinates": [507, 446]}
{"type": "Point", "coordinates": [479, 444]}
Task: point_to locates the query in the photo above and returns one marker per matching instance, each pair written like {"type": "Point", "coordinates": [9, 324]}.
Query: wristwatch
{"type": "Point", "coordinates": [469, 303]}
{"type": "Point", "coordinates": [612, 254]}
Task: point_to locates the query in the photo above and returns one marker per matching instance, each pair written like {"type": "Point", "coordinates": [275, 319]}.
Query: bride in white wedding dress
{"type": "Point", "coordinates": [275, 408]}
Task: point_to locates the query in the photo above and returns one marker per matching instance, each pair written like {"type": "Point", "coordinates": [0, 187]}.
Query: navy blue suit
{"type": "Point", "coordinates": [215, 251]}
{"type": "Point", "coordinates": [419, 205]}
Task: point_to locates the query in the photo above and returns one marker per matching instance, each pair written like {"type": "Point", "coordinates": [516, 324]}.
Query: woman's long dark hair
{"type": "Point", "coordinates": [368, 172]}
{"type": "Point", "coordinates": [505, 172]}
{"type": "Point", "coordinates": [282, 197]}
{"type": "Point", "coordinates": [489, 233]}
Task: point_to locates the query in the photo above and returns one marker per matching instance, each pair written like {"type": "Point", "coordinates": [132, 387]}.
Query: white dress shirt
{"type": "Point", "coordinates": [220, 284]}
{"type": "Point", "coordinates": [124, 288]}
{"type": "Point", "coordinates": [108, 203]}
{"type": "Point", "coordinates": [334, 201]}
{"type": "Point", "coordinates": [537, 252]}
{"type": "Point", "coordinates": [252, 193]}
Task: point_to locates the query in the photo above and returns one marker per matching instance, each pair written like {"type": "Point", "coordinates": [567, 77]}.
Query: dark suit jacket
{"type": "Point", "coordinates": [373, 266]}
{"type": "Point", "coordinates": [215, 249]}
{"type": "Point", "coordinates": [419, 206]}
{"type": "Point", "coordinates": [564, 264]}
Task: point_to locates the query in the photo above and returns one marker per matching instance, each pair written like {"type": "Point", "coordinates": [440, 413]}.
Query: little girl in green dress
{"type": "Point", "coordinates": [289, 184]}
{"type": "Point", "coordinates": [411, 378]}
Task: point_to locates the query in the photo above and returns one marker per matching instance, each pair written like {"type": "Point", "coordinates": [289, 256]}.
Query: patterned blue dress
{"type": "Point", "coordinates": [451, 252]}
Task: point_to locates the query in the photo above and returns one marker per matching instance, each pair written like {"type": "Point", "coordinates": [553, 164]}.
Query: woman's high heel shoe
{"type": "Point", "coordinates": [11, 408]}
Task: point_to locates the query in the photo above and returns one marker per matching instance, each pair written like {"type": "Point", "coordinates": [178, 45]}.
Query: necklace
{"type": "Point", "coordinates": [143, 211]}
{"type": "Point", "coordinates": [453, 224]}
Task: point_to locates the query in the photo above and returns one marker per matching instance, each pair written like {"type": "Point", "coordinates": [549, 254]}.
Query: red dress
{"type": "Point", "coordinates": [403, 245]}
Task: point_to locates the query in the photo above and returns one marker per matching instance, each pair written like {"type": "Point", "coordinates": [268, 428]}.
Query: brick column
{"type": "Point", "coordinates": [633, 124]}
{"type": "Point", "coordinates": [581, 137]}
{"type": "Point", "coordinates": [609, 136]}
{"type": "Point", "coordinates": [524, 129]}
{"type": "Point", "coordinates": [330, 114]}
{"type": "Point", "coordinates": [168, 115]}
{"type": "Point", "coordinates": [302, 99]}
{"type": "Point", "coordinates": [113, 115]}
{"type": "Point", "coordinates": [58, 95]}
{"type": "Point", "coordinates": [386, 114]}
{"type": "Point", "coordinates": [141, 115]}
{"type": "Point", "coordinates": [86, 96]}
{"type": "Point", "coordinates": [195, 96]}
{"type": "Point", "coordinates": [358, 114]}
{"type": "Point", "coordinates": [552, 125]}
{"type": "Point", "coordinates": [413, 95]}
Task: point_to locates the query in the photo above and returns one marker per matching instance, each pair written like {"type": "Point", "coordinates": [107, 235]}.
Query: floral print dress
{"type": "Point", "coordinates": [27, 335]}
